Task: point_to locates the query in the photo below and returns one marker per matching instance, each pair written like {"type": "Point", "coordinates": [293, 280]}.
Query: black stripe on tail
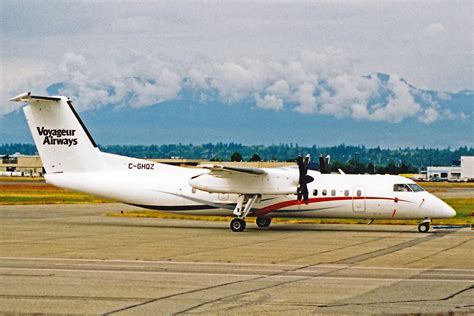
{"type": "Point", "coordinates": [82, 124]}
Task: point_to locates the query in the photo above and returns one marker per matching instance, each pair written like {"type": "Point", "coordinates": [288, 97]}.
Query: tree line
{"type": "Point", "coordinates": [350, 158]}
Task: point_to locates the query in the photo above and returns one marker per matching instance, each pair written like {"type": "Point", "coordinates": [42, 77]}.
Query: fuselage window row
{"type": "Point", "coordinates": [333, 192]}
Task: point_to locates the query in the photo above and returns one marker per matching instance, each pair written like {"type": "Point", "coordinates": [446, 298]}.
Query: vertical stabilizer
{"type": "Point", "coordinates": [61, 138]}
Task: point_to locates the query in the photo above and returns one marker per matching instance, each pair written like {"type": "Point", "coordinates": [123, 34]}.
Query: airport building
{"type": "Point", "coordinates": [21, 165]}
{"type": "Point", "coordinates": [463, 172]}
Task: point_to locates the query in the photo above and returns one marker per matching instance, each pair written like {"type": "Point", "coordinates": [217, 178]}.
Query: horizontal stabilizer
{"type": "Point", "coordinates": [28, 97]}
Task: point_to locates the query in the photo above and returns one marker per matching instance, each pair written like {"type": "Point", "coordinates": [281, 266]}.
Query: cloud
{"type": "Point", "coordinates": [18, 76]}
{"type": "Point", "coordinates": [225, 31]}
{"type": "Point", "coordinates": [132, 25]}
{"type": "Point", "coordinates": [343, 91]}
{"type": "Point", "coordinates": [400, 105]}
{"type": "Point", "coordinates": [280, 88]}
{"type": "Point", "coordinates": [128, 83]}
{"type": "Point", "coordinates": [429, 116]}
{"type": "Point", "coordinates": [270, 102]}
{"type": "Point", "coordinates": [433, 30]}
{"type": "Point", "coordinates": [321, 83]}
{"type": "Point", "coordinates": [235, 81]}
{"type": "Point", "coordinates": [305, 99]}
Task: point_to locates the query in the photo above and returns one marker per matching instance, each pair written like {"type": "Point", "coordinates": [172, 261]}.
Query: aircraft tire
{"type": "Point", "coordinates": [263, 222]}
{"type": "Point", "coordinates": [424, 227]}
{"type": "Point", "coordinates": [237, 225]}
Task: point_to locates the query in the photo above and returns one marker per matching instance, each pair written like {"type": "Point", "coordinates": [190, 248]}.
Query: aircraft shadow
{"type": "Point", "coordinates": [274, 228]}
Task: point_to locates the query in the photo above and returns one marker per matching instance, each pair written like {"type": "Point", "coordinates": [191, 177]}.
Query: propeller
{"type": "Point", "coordinates": [304, 179]}
{"type": "Point", "coordinates": [324, 164]}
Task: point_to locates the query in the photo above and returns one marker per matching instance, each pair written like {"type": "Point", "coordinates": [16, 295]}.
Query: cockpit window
{"type": "Point", "coordinates": [401, 188]}
{"type": "Point", "coordinates": [407, 187]}
{"type": "Point", "coordinates": [415, 187]}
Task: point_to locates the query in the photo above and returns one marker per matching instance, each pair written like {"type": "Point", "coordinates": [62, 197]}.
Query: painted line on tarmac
{"type": "Point", "coordinates": [158, 262]}
{"type": "Point", "coordinates": [220, 275]}
{"type": "Point", "coordinates": [234, 264]}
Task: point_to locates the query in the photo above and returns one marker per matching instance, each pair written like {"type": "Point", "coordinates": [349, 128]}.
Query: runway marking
{"type": "Point", "coordinates": [64, 297]}
{"type": "Point", "coordinates": [281, 275]}
{"type": "Point", "coordinates": [129, 272]}
{"type": "Point", "coordinates": [230, 264]}
{"type": "Point", "coordinates": [153, 261]}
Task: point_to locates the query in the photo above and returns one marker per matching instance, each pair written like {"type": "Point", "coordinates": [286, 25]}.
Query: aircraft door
{"type": "Point", "coordinates": [358, 199]}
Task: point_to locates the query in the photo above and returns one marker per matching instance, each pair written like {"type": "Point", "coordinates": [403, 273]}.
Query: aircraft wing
{"type": "Point", "coordinates": [217, 169]}
{"type": "Point", "coordinates": [245, 180]}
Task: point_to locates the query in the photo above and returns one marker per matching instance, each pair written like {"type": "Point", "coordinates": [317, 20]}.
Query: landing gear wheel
{"type": "Point", "coordinates": [263, 222]}
{"type": "Point", "coordinates": [237, 225]}
{"type": "Point", "coordinates": [424, 227]}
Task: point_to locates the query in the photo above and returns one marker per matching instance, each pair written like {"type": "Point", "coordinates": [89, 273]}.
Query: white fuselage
{"type": "Point", "coordinates": [73, 160]}
{"type": "Point", "coordinates": [167, 188]}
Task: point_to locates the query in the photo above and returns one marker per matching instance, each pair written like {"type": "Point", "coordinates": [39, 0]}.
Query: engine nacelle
{"type": "Point", "coordinates": [271, 183]}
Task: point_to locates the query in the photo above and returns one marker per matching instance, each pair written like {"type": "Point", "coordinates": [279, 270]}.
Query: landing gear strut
{"type": "Point", "coordinates": [263, 222]}
{"type": "Point", "coordinates": [238, 223]}
{"type": "Point", "coordinates": [425, 226]}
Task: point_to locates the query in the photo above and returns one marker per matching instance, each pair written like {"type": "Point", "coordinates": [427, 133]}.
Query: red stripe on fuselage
{"type": "Point", "coordinates": [270, 208]}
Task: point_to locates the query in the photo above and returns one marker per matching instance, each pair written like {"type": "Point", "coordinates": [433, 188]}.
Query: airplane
{"type": "Point", "coordinates": [72, 160]}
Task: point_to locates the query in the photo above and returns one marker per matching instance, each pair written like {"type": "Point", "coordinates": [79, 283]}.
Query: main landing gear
{"type": "Point", "coordinates": [238, 224]}
{"type": "Point", "coordinates": [263, 222]}
{"type": "Point", "coordinates": [425, 226]}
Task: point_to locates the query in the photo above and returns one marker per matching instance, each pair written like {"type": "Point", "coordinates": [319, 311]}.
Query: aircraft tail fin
{"type": "Point", "coordinates": [62, 140]}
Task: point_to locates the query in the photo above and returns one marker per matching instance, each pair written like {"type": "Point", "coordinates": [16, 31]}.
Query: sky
{"type": "Point", "coordinates": [310, 57]}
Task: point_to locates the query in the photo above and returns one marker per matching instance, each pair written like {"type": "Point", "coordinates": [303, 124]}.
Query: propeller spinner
{"type": "Point", "coordinates": [304, 179]}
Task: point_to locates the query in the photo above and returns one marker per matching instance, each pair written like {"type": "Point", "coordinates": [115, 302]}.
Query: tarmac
{"type": "Point", "coordinates": [74, 259]}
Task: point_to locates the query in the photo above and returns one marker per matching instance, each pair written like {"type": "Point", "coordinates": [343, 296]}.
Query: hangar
{"type": "Point", "coordinates": [21, 165]}
{"type": "Point", "coordinates": [463, 172]}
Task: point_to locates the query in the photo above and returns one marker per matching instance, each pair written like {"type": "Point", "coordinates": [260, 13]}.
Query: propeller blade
{"type": "Point", "coordinates": [301, 165]}
{"type": "Point", "coordinates": [324, 164]}
{"type": "Point", "coordinates": [304, 179]}
{"type": "Point", "coordinates": [322, 168]}
{"type": "Point", "coordinates": [304, 192]}
{"type": "Point", "coordinates": [308, 179]}
{"type": "Point", "coordinates": [299, 194]}
{"type": "Point", "coordinates": [307, 158]}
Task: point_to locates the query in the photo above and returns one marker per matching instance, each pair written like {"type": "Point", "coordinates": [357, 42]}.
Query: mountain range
{"type": "Point", "coordinates": [190, 119]}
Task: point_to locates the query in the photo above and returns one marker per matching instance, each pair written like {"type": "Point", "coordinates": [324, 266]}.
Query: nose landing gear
{"type": "Point", "coordinates": [425, 226]}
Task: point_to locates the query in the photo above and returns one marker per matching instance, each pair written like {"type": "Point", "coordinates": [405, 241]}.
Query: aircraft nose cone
{"type": "Point", "coordinates": [451, 212]}
{"type": "Point", "coordinates": [447, 210]}
{"type": "Point", "coordinates": [437, 208]}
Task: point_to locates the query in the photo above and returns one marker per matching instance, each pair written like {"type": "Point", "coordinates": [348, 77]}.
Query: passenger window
{"type": "Point", "coordinates": [333, 192]}
{"type": "Point", "coordinates": [325, 192]}
{"type": "Point", "coordinates": [315, 192]}
{"type": "Point", "coordinates": [359, 193]}
{"type": "Point", "coordinates": [346, 193]}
